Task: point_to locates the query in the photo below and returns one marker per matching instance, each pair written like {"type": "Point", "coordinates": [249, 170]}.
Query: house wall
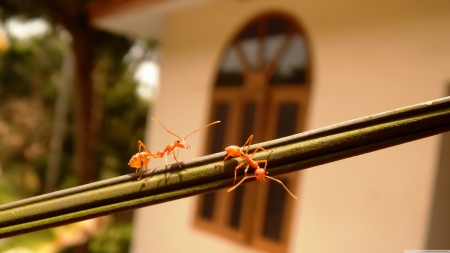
{"type": "Point", "coordinates": [368, 57]}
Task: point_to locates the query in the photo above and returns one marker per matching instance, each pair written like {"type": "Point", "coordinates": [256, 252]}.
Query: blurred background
{"type": "Point", "coordinates": [79, 81]}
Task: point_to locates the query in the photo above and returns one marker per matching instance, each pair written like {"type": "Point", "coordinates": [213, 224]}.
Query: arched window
{"type": "Point", "coordinates": [261, 88]}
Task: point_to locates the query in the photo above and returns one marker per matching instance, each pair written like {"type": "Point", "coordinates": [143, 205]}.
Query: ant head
{"type": "Point", "coordinates": [233, 150]}
{"type": "Point", "coordinates": [260, 174]}
{"type": "Point", "coordinates": [181, 143]}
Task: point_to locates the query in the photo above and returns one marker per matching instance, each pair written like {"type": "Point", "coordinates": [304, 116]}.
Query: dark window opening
{"type": "Point", "coordinates": [275, 210]}
{"type": "Point", "coordinates": [219, 130]}
{"type": "Point", "coordinates": [287, 119]}
{"type": "Point", "coordinates": [236, 210]}
{"type": "Point", "coordinates": [250, 32]}
{"type": "Point", "coordinates": [207, 210]}
{"type": "Point", "coordinates": [277, 25]}
{"type": "Point", "coordinates": [230, 71]}
{"type": "Point", "coordinates": [248, 120]}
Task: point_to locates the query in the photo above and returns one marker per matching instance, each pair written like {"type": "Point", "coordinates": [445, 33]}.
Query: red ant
{"type": "Point", "coordinates": [179, 143]}
{"type": "Point", "coordinates": [141, 158]}
{"type": "Point", "coordinates": [260, 173]}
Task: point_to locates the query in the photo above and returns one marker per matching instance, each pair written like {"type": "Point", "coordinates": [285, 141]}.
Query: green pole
{"type": "Point", "coordinates": [209, 173]}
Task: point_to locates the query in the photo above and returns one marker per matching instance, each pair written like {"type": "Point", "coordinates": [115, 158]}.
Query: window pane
{"type": "Point", "coordinates": [274, 212]}
{"type": "Point", "coordinates": [292, 67]}
{"type": "Point", "coordinates": [272, 45]}
{"type": "Point", "coordinates": [230, 72]}
{"type": "Point", "coordinates": [236, 209]}
{"type": "Point", "coordinates": [248, 41]}
{"type": "Point", "coordinates": [287, 118]}
{"type": "Point", "coordinates": [218, 132]}
{"type": "Point", "coordinates": [207, 210]}
{"type": "Point", "coordinates": [250, 49]}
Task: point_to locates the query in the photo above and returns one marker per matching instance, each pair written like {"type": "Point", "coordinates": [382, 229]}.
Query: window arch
{"type": "Point", "coordinates": [261, 88]}
{"type": "Point", "coordinates": [272, 44]}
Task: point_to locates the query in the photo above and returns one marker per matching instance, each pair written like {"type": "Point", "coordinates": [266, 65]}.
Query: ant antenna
{"type": "Point", "coordinates": [215, 122]}
{"type": "Point", "coordinates": [155, 119]}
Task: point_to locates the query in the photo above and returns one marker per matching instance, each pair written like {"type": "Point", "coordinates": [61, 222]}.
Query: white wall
{"type": "Point", "coordinates": [367, 58]}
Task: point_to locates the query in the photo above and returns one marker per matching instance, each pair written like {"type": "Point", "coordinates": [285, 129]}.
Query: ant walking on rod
{"type": "Point", "coordinates": [179, 143]}
{"type": "Point", "coordinates": [260, 173]}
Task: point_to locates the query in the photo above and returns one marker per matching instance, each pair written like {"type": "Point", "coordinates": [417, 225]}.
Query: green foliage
{"type": "Point", "coordinates": [28, 65]}
{"type": "Point", "coordinates": [36, 240]}
{"type": "Point", "coordinates": [29, 77]}
{"type": "Point", "coordinates": [28, 80]}
{"type": "Point", "coordinates": [112, 239]}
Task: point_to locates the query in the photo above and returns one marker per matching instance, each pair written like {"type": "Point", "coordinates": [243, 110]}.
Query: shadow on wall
{"type": "Point", "coordinates": [439, 226]}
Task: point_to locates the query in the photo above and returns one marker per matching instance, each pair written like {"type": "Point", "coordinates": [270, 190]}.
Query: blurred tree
{"type": "Point", "coordinates": [27, 92]}
{"type": "Point", "coordinates": [107, 120]}
{"type": "Point", "coordinates": [74, 16]}
{"type": "Point", "coordinates": [30, 75]}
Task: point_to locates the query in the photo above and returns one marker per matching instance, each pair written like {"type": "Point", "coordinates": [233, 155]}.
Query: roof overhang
{"type": "Point", "coordinates": [136, 18]}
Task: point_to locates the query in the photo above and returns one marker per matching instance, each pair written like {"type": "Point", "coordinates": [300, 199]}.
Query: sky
{"type": "Point", "coordinates": [23, 29]}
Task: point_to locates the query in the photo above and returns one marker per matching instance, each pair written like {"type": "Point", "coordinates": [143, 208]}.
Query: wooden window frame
{"type": "Point", "coordinates": [268, 99]}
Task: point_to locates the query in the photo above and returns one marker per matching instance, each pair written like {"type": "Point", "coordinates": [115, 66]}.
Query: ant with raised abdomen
{"type": "Point", "coordinates": [260, 173]}
{"type": "Point", "coordinates": [179, 143]}
{"type": "Point", "coordinates": [141, 158]}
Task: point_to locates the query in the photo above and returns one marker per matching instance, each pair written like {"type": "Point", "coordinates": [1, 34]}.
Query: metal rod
{"type": "Point", "coordinates": [209, 173]}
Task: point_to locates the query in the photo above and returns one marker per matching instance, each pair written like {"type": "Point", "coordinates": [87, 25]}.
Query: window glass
{"type": "Point", "coordinates": [231, 70]}
{"type": "Point", "coordinates": [272, 46]}
{"type": "Point", "coordinates": [292, 67]}
{"type": "Point", "coordinates": [250, 50]}
{"type": "Point", "coordinates": [248, 42]}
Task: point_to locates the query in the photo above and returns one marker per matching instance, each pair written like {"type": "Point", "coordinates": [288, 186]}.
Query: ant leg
{"type": "Point", "coordinates": [226, 157]}
{"type": "Point", "coordinates": [282, 185]}
{"type": "Point", "coordinates": [262, 161]}
{"type": "Point", "coordinates": [142, 172]}
{"type": "Point", "coordinates": [141, 144]}
{"type": "Point", "coordinates": [146, 169]}
{"type": "Point", "coordinates": [240, 182]}
{"type": "Point", "coordinates": [137, 169]}
{"type": "Point", "coordinates": [175, 157]}
{"type": "Point", "coordinates": [259, 148]}
{"type": "Point", "coordinates": [249, 141]}
{"type": "Point", "coordinates": [176, 154]}
{"type": "Point", "coordinates": [245, 171]}
{"type": "Point", "coordinates": [165, 157]}
{"type": "Point", "coordinates": [236, 169]}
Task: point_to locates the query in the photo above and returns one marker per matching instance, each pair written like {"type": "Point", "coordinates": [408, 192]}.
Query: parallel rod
{"type": "Point", "coordinates": [209, 173]}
